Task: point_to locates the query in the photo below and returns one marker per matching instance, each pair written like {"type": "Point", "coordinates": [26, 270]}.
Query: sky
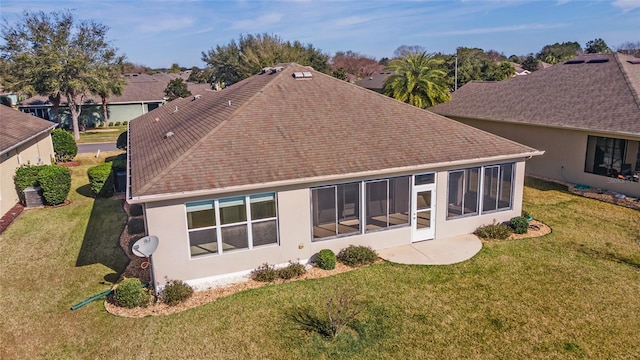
{"type": "Point", "coordinates": [160, 33]}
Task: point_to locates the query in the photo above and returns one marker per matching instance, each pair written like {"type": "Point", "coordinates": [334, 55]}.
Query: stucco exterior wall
{"type": "Point", "coordinates": [565, 151]}
{"type": "Point", "coordinates": [168, 221]}
{"type": "Point", "coordinates": [37, 151]}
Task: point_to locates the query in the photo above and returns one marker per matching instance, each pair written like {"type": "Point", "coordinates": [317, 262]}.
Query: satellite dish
{"type": "Point", "coordinates": [145, 246]}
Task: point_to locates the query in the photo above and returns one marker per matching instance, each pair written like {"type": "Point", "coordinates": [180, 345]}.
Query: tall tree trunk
{"type": "Point", "coordinates": [76, 109]}
{"type": "Point", "coordinates": [105, 115]}
{"type": "Point", "coordinates": [55, 101]}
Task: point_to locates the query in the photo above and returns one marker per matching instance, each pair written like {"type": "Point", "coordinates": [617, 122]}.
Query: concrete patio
{"type": "Point", "coordinates": [434, 252]}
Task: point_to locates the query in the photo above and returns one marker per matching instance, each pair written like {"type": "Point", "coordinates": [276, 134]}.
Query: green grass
{"type": "Point", "coordinates": [109, 134]}
{"type": "Point", "coordinates": [573, 294]}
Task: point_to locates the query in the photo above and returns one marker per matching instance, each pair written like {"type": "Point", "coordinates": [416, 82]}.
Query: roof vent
{"type": "Point", "coordinates": [176, 109]}
{"type": "Point", "coordinates": [168, 135]}
{"type": "Point", "coordinates": [634, 61]}
{"type": "Point", "coordinates": [265, 70]}
{"type": "Point", "coordinates": [196, 97]}
{"type": "Point", "coordinates": [302, 75]}
{"type": "Point", "coordinates": [571, 62]}
{"type": "Point", "coordinates": [277, 69]}
{"type": "Point", "coordinates": [597, 61]}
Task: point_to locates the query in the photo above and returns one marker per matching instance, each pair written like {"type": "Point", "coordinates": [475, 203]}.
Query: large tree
{"type": "Point", "coordinates": [629, 48]}
{"type": "Point", "coordinates": [56, 56]}
{"type": "Point", "coordinates": [418, 79]}
{"type": "Point", "coordinates": [355, 64]}
{"type": "Point", "coordinates": [177, 88]}
{"type": "Point", "coordinates": [559, 52]}
{"type": "Point", "coordinates": [596, 46]}
{"type": "Point", "coordinates": [238, 60]}
{"type": "Point", "coordinates": [109, 82]}
{"type": "Point", "coordinates": [476, 64]}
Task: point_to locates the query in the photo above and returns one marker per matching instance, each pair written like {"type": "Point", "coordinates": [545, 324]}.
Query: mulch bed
{"type": "Point", "coordinates": [11, 215]}
{"type": "Point", "coordinates": [536, 229]}
{"type": "Point", "coordinates": [69, 164]}
{"type": "Point", "coordinates": [607, 196]}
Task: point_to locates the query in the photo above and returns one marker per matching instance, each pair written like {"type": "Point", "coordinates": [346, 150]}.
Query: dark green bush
{"type": "Point", "coordinates": [26, 176]}
{"type": "Point", "coordinates": [125, 123]}
{"type": "Point", "coordinates": [118, 123]}
{"type": "Point", "coordinates": [130, 294]}
{"type": "Point", "coordinates": [136, 226]}
{"type": "Point", "coordinates": [175, 292]}
{"type": "Point", "coordinates": [135, 210]}
{"type": "Point", "coordinates": [119, 165]}
{"type": "Point", "coordinates": [121, 143]}
{"type": "Point", "coordinates": [55, 182]}
{"type": "Point", "coordinates": [264, 273]}
{"type": "Point", "coordinates": [519, 224]}
{"type": "Point", "coordinates": [101, 180]}
{"type": "Point", "coordinates": [291, 271]}
{"type": "Point", "coordinates": [526, 214]}
{"type": "Point", "coordinates": [64, 145]}
{"type": "Point", "coordinates": [357, 255]}
{"type": "Point", "coordinates": [493, 231]}
{"type": "Point", "coordinates": [326, 259]}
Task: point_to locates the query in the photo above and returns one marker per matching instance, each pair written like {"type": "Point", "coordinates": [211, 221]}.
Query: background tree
{"type": "Point", "coordinates": [629, 48]}
{"type": "Point", "coordinates": [109, 82]}
{"type": "Point", "coordinates": [418, 79]}
{"type": "Point", "coordinates": [404, 50]}
{"type": "Point", "coordinates": [355, 64]}
{"type": "Point", "coordinates": [197, 76]}
{"type": "Point", "coordinates": [531, 63]}
{"type": "Point", "coordinates": [174, 69]}
{"type": "Point", "coordinates": [559, 52]}
{"type": "Point", "coordinates": [177, 88]}
{"type": "Point", "coordinates": [596, 46]}
{"type": "Point", "coordinates": [476, 64]}
{"type": "Point", "coordinates": [55, 56]}
{"type": "Point", "coordinates": [340, 73]}
{"type": "Point", "coordinates": [238, 60]}
{"type": "Point", "coordinates": [515, 59]}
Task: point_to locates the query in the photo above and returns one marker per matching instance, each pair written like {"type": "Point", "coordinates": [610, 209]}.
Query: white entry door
{"type": "Point", "coordinates": [423, 212]}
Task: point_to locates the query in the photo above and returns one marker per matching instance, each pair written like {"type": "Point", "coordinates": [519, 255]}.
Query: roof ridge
{"type": "Point", "coordinates": [159, 177]}
{"type": "Point", "coordinates": [627, 80]}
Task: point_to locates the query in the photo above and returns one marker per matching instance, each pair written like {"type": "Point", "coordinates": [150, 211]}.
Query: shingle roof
{"type": "Point", "coordinates": [16, 127]}
{"type": "Point", "coordinates": [375, 81]}
{"type": "Point", "coordinates": [139, 88]}
{"type": "Point", "coordinates": [273, 127]}
{"type": "Point", "coordinates": [597, 92]}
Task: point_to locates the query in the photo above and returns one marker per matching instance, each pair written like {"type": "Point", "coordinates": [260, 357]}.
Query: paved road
{"type": "Point", "coordinates": [94, 147]}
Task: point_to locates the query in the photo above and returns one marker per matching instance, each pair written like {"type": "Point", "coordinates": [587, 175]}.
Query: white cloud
{"type": "Point", "coordinates": [153, 25]}
{"type": "Point", "coordinates": [626, 5]}
{"type": "Point", "coordinates": [259, 23]}
{"type": "Point", "coordinates": [352, 20]}
{"type": "Point", "coordinates": [500, 29]}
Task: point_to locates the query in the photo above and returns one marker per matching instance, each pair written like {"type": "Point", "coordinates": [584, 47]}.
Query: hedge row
{"type": "Point", "coordinates": [101, 179]}
{"type": "Point", "coordinates": [54, 180]}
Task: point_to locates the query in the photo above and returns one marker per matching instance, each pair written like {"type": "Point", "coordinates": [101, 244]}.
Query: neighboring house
{"type": "Point", "coordinates": [141, 94]}
{"type": "Point", "coordinates": [519, 69]}
{"type": "Point", "coordinates": [375, 82]}
{"type": "Point", "coordinates": [292, 161]}
{"type": "Point", "coordinates": [584, 113]}
{"type": "Point", "coordinates": [24, 139]}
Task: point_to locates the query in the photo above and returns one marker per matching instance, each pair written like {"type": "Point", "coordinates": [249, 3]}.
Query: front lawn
{"type": "Point", "coordinates": [572, 294]}
{"type": "Point", "coordinates": [100, 135]}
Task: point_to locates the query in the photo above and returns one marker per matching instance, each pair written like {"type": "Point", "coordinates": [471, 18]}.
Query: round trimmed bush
{"type": "Point", "coordinates": [357, 255]}
{"type": "Point", "coordinates": [121, 143]}
{"type": "Point", "coordinates": [519, 224]}
{"type": "Point", "coordinates": [326, 259]}
{"type": "Point", "coordinates": [175, 292]}
{"type": "Point", "coordinates": [55, 182]}
{"type": "Point", "coordinates": [264, 273]}
{"type": "Point", "coordinates": [26, 176]}
{"type": "Point", "coordinates": [130, 294]}
{"type": "Point", "coordinates": [101, 180]}
{"type": "Point", "coordinates": [64, 145]}
{"type": "Point", "coordinates": [136, 226]}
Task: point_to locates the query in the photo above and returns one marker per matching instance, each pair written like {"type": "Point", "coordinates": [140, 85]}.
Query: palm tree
{"type": "Point", "coordinates": [418, 79]}
{"type": "Point", "coordinates": [109, 82]}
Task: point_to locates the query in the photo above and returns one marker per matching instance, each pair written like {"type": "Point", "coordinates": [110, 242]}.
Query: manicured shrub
{"type": "Point", "coordinates": [326, 259]}
{"type": "Point", "coordinates": [135, 210]}
{"type": "Point", "coordinates": [26, 176]}
{"type": "Point", "coordinates": [264, 273]}
{"type": "Point", "coordinates": [136, 226]}
{"type": "Point", "coordinates": [125, 123]}
{"type": "Point", "coordinates": [130, 294]}
{"type": "Point", "coordinates": [175, 292]}
{"type": "Point", "coordinates": [519, 224]}
{"type": "Point", "coordinates": [55, 182]}
{"type": "Point", "coordinates": [493, 231]}
{"type": "Point", "coordinates": [64, 145]}
{"type": "Point", "coordinates": [101, 180]}
{"type": "Point", "coordinates": [357, 255]}
{"type": "Point", "coordinates": [121, 143]}
{"type": "Point", "coordinates": [118, 123]}
{"type": "Point", "coordinates": [119, 165]}
{"type": "Point", "coordinates": [291, 271]}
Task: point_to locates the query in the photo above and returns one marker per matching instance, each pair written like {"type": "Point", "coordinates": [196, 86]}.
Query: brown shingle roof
{"type": "Point", "coordinates": [16, 127]}
{"type": "Point", "coordinates": [139, 88]}
{"type": "Point", "coordinates": [591, 92]}
{"type": "Point", "coordinates": [375, 81]}
{"type": "Point", "coordinates": [273, 127]}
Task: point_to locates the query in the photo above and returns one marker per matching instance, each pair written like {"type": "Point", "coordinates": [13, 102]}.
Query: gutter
{"type": "Point", "coordinates": [28, 139]}
{"type": "Point", "coordinates": [282, 183]}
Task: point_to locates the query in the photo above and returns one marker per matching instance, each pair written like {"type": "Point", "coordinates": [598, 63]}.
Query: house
{"type": "Point", "coordinates": [24, 139]}
{"type": "Point", "coordinates": [291, 161]}
{"type": "Point", "coordinates": [519, 69]}
{"type": "Point", "coordinates": [141, 94]}
{"type": "Point", "coordinates": [375, 82]}
{"type": "Point", "coordinates": [584, 113]}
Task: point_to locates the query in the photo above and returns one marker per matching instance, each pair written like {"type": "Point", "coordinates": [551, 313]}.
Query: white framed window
{"type": "Point", "coordinates": [480, 190]}
{"type": "Point", "coordinates": [387, 203]}
{"type": "Point", "coordinates": [234, 223]}
{"type": "Point", "coordinates": [336, 210]}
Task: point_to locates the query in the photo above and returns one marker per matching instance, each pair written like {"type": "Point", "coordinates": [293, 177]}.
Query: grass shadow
{"type": "Point", "coordinates": [544, 185]}
{"type": "Point", "coordinates": [85, 190]}
{"type": "Point", "coordinates": [101, 242]}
